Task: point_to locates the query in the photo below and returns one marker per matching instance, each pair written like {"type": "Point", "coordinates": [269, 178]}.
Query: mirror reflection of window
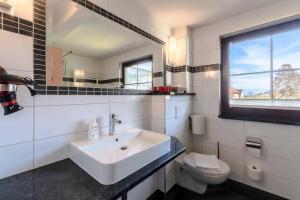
{"type": "Point", "coordinates": [137, 74]}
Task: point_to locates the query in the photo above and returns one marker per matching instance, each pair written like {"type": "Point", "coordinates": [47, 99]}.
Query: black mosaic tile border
{"type": "Point", "coordinates": [205, 68]}
{"type": "Point", "coordinates": [177, 69]}
{"type": "Point", "coordinates": [157, 74]}
{"type": "Point", "coordinates": [113, 80]}
{"type": "Point", "coordinates": [39, 45]}
{"type": "Point", "coordinates": [184, 68]}
{"type": "Point", "coordinates": [93, 7]}
{"type": "Point", "coordinates": [64, 90]}
{"type": "Point", "coordinates": [80, 80]}
{"type": "Point", "coordinates": [15, 24]}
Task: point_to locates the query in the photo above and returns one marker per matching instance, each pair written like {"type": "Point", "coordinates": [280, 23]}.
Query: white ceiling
{"type": "Point", "coordinates": [176, 13]}
{"type": "Point", "coordinates": [85, 33]}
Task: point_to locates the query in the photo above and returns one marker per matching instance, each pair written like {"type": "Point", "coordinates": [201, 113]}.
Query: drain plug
{"type": "Point", "coordinates": [124, 148]}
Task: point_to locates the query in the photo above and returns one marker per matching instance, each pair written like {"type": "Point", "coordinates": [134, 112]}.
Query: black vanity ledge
{"type": "Point", "coordinates": [66, 180]}
{"type": "Point", "coordinates": [173, 94]}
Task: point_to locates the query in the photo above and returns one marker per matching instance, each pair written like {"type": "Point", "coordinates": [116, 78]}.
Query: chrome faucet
{"type": "Point", "coordinates": [112, 123]}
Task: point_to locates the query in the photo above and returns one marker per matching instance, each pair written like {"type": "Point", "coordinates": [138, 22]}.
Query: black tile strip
{"type": "Point", "coordinates": [16, 25]}
{"type": "Point", "coordinates": [1, 17]}
{"type": "Point", "coordinates": [157, 74]}
{"type": "Point", "coordinates": [113, 80]}
{"type": "Point", "coordinates": [206, 68]}
{"type": "Point", "coordinates": [10, 28]}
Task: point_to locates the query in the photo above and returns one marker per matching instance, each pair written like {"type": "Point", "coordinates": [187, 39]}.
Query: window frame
{"type": "Point", "coordinates": [280, 115]}
{"type": "Point", "coordinates": [136, 62]}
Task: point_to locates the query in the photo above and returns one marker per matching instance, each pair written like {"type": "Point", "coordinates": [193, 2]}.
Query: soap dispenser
{"type": "Point", "coordinates": [93, 129]}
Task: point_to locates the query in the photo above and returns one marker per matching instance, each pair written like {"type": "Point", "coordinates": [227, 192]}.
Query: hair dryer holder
{"type": "Point", "coordinates": [8, 88]}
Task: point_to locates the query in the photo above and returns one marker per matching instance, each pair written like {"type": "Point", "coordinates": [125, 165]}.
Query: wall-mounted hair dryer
{"type": "Point", "coordinates": [8, 88]}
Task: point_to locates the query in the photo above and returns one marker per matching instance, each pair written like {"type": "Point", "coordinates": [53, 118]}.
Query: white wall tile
{"type": "Point", "coordinates": [179, 129]}
{"type": "Point", "coordinates": [130, 111]}
{"type": "Point", "coordinates": [20, 47]}
{"type": "Point", "coordinates": [16, 159]}
{"type": "Point", "coordinates": [210, 108]}
{"type": "Point", "coordinates": [232, 155]}
{"type": "Point", "coordinates": [237, 172]}
{"type": "Point", "coordinates": [276, 131]}
{"type": "Point", "coordinates": [197, 79]}
{"type": "Point", "coordinates": [59, 120]}
{"type": "Point", "coordinates": [128, 98]}
{"type": "Point", "coordinates": [157, 108]}
{"type": "Point", "coordinates": [210, 92]}
{"type": "Point", "coordinates": [54, 149]}
{"type": "Point", "coordinates": [52, 100]}
{"type": "Point", "coordinates": [17, 127]}
{"type": "Point", "coordinates": [197, 106]}
{"type": "Point", "coordinates": [157, 125]}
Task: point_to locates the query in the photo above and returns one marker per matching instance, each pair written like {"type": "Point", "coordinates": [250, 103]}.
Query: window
{"type": "Point", "coordinates": [137, 74]}
{"type": "Point", "coordinates": [261, 75]}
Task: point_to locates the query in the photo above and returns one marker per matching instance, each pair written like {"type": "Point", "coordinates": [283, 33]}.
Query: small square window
{"type": "Point", "coordinates": [138, 74]}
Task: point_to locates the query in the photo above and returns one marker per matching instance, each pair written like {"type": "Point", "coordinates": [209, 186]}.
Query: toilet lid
{"type": "Point", "coordinates": [224, 168]}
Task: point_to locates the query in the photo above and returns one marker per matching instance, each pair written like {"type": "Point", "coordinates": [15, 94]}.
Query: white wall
{"type": "Point", "coordinates": [170, 115]}
{"type": "Point", "coordinates": [280, 160]}
{"type": "Point", "coordinates": [39, 134]}
{"type": "Point", "coordinates": [90, 65]}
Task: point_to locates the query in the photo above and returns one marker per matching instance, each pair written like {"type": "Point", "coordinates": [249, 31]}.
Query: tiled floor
{"type": "Point", "coordinates": [211, 194]}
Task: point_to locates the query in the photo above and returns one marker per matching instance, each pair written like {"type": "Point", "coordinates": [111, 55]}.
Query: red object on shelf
{"type": "Point", "coordinates": [164, 89]}
{"type": "Point", "coordinates": [155, 89]}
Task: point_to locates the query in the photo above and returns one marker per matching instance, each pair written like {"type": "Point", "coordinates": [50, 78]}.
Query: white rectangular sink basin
{"type": "Point", "coordinates": [109, 159]}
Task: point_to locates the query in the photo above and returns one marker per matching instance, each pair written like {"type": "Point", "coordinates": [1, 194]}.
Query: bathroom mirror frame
{"type": "Point", "coordinates": [39, 53]}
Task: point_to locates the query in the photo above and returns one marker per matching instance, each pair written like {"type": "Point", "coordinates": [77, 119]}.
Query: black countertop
{"type": "Point", "coordinates": [174, 93]}
{"type": "Point", "coordinates": [64, 180]}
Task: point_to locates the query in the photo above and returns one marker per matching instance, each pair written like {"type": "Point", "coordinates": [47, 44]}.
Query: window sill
{"type": "Point", "coordinates": [262, 118]}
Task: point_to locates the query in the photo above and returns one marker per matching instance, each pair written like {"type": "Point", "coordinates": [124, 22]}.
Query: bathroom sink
{"type": "Point", "coordinates": [109, 159]}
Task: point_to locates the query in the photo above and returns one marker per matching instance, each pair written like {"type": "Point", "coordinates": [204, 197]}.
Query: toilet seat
{"type": "Point", "coordinates": [224, 168]}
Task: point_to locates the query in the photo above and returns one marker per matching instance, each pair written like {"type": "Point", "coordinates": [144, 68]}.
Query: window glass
{"type": "Point", "coordinates": [131, 74]}
{"type": "Point", "coordinates": [250, 86]}
{"type": "Point", "coordinates": [250, 56]}
{"type": "Point", "coordinates": [138, 74]}
{"type": "Point", "coordinates": [286, 49]}
{"type": "Point", "coordinates": [265, 71]}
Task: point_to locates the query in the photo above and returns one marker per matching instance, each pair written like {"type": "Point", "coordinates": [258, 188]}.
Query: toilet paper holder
{"type": "Point", "coordinates": [254, 142]}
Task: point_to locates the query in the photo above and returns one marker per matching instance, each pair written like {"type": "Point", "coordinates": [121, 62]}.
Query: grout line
{"type": "Point", "coordinates": [15, 144]}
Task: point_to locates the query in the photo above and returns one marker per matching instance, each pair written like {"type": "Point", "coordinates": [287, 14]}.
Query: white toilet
{"type": "Point", "coordinates": [197, 179]}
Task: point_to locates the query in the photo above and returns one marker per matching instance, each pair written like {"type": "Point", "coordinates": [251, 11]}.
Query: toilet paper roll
{"type": "Point", "coordinates": [254, 152]}
{"type": "Point", "coordinates": [254, 173]}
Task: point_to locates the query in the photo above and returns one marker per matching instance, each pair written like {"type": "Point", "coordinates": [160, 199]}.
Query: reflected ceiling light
{"type": "Point", "coordinates": [79, 73]}
{"type": "Point", "coordinates": [172, 49]}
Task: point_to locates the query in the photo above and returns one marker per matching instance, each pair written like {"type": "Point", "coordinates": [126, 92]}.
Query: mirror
{"type": "Point", "coordinates": [85, 49]}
